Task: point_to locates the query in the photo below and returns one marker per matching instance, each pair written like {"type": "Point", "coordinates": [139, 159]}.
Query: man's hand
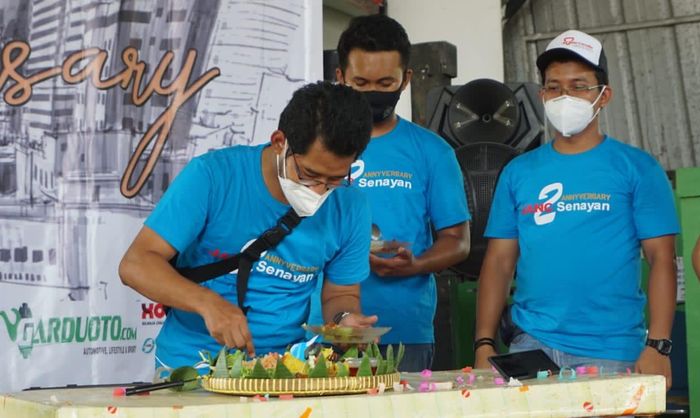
{"type": "Point", "coordinates": [227, 324]}
{"type": "Point", "coordinates": [481, 356]}
{"type": "Point", "coordinates": [357, 320]}
{"type": "Point", "coordinates": [652, 362]}
{"type": "Point", "coordinates": [400, 265]}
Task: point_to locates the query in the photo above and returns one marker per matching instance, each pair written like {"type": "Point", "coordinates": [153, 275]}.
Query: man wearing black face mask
{"type": "Point", "coordinates": [413, 181]}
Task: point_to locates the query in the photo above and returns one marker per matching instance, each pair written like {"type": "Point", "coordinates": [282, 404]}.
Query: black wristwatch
{"type": "Point", "coordinates": [663, 346]}
{"type": "Point", "coordinates": [339, 317]}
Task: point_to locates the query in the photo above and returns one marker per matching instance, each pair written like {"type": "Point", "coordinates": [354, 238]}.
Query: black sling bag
{"type": "Point", "coordinates": [244, 260]}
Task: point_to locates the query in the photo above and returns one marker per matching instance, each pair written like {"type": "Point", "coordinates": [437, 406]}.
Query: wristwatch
{"type": "Point", "coordinates": [663, 346]}
{"type": "Point", "coordinates": [339, 317]}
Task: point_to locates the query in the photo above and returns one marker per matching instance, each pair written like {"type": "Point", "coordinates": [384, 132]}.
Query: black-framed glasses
{"type": "Point", "coordinates": [555, 90]}
{"type": "Point", "coordinates": [311, 182]}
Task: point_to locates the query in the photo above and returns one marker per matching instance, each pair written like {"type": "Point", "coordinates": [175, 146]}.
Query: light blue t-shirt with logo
{"type": "Point", "coordinates": [579, 220]}
{"type": "Point", "coordinates": [219, 203]}
{"type": "Point", "coordinates": [412, 180]}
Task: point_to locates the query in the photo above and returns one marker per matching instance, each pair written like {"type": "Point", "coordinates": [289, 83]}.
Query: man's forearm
{"type": "Point", "coordinates": [340, 304]}
{"type": "Point", "coordinates": [339, 298]}
{"type": "Point", "coordinates": [662, 298]}
{"type": "Point", "coordinates": [446, 251]}
{"type": "Point", "coordinates": [494, 287]}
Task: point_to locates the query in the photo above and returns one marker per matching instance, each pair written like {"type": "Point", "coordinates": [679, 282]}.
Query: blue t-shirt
{"type": "Point", "coordinates": [219, 203]}
{"type": "Point", "coordinates": [412, 180]}
{"type": "Point", "coordinates": [579, 220]}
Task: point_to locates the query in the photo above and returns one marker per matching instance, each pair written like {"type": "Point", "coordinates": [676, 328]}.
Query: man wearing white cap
{"type": "Point", "coordinates": [569, 218]}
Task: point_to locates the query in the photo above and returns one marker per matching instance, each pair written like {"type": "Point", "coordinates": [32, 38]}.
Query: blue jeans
{"type": "Point", "coordinates": [416, 357]}
{"type": "Point", "coordinates": [524, 342]}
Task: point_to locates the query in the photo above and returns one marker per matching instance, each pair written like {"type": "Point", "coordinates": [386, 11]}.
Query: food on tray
{"type": "Point", "coordinates": [322, 372]}
{"type": "Point", "coordinates": [276, 366]}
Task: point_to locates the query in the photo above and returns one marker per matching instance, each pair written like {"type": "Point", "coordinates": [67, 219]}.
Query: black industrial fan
{"type": "Point", "coordinates": [481, 165]}
{"type": "Point", "coordinates": [483, 110]}
{"type": "Point", "coordinates": [488, 123]}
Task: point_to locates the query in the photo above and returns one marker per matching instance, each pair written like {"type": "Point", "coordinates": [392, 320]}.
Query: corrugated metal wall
{"type": "Point", "coordinates": [653, 51]}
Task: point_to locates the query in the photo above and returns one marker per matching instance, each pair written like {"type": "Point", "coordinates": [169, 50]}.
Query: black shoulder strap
{"type": "Point", "coordinates": [244, 260]}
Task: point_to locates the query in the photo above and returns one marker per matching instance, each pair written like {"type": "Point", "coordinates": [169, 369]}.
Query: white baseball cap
{"type": "Point", "coordinates": [577, 45]}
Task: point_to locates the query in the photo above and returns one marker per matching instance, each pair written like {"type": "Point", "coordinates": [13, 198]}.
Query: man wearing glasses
{"type": "Point", "coordinates": [225, 199]}
{"type": "Point", "coordinates": [569, 218]}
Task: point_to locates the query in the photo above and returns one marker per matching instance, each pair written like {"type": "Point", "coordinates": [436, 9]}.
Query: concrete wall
{"type": "Point", "coordinates": [473, 26]}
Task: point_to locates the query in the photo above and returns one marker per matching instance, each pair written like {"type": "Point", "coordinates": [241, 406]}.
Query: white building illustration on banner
{"type": "Point", "coordinates": [64, 224]}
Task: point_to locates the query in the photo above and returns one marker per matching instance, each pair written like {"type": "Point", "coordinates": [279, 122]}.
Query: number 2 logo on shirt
{"type": "Point", "coordinates": [543, 218]}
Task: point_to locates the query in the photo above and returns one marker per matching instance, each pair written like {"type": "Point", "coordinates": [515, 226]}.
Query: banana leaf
{"type": "Point", "coordinates": [320, 370]}
{"type": "Point", "coordinates": [342, 370]}
{"type": "Point", "coordinates": [365, 368]}
{"type": "Point", "coordinates": [259, 371]}
{"type": "Point", "coordinates": [399, 356]}
{"type": "Point", "coordinates": [282, 372]}
{"type": "Point", "coordinates": [351, 353]}
{"type": "Point", "coordinates": [237, 367]}
{"type": "Point", "coordinates": [220, 369]}
{"type": "Point", "coordinates": [390, 359]}
{"type": "Point", "coordinates": [232, 357]}
{"type": "Point", "coordinates": [381, 367]}
{"type": "Point", "coordinates": [188, 375]}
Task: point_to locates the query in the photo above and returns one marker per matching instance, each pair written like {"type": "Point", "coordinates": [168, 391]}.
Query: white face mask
{"type": "Point", "coordinates": [571, 115]}
{"type": "Point", "coordinates": [304, 200]}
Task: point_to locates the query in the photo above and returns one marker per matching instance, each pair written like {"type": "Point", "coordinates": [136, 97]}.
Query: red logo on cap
{"type": "Point", "coordinates": [568, 40]}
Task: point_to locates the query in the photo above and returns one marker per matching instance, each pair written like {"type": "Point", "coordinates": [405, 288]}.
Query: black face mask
{"type": "Point", "coordinates": [382, 103]}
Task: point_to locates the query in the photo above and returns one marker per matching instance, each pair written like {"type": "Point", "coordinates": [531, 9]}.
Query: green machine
{"type": "Point", "coordinates": [688, 194]}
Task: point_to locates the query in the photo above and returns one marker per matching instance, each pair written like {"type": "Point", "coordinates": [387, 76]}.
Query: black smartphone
{"type": "Point", "coordinates": [523, 364]}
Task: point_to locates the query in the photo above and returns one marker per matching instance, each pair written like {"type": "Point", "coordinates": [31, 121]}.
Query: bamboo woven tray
{"type": "Point", "coordinates": [299, 387]}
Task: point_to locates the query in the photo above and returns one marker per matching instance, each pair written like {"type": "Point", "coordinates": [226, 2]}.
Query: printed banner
{"type": "Point", "coordinates": [103, 103]}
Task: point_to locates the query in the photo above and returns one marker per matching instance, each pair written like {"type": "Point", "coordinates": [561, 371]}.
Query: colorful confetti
{"type": "Point", "coordinates": [426, 387]}
{"type": "Point", "coordinates": [567, 373]}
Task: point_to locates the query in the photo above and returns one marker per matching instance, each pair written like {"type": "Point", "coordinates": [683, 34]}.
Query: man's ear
{"type": "Point", "coordinates": [278, 139]}
{"type": "Point", "coordinates": [606, 97]}
{"type": "Point", "coordinates": [339, 76]}
{"type": "Point", "coordinates": [408, 75]}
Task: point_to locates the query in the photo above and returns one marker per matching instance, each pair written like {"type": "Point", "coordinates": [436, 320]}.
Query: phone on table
{"type": "Point", "coordinates": [523, 364]}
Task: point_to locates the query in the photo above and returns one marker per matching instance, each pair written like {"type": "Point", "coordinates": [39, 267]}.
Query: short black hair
{"type": "Point", "coordinates": [337, 115]}
{"type": "Point", "coordinates": [600, 75]}
{"type": "Point", "coordinates": [374, 33]}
